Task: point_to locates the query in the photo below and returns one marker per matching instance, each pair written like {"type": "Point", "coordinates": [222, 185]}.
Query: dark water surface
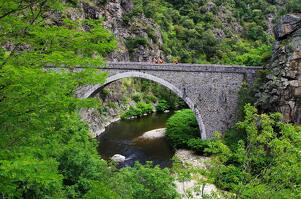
{"type": "Point", "coordinates": [119, 138]}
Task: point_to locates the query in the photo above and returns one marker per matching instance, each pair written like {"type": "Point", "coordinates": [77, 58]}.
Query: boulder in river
{"type": "Point", "coordinates": [153, 134]}
{"type": "Point", "coordinates": [118, 158]}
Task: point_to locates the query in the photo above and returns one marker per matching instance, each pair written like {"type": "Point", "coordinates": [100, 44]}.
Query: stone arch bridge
{"type": "Point", "coordinates": [211, 91]}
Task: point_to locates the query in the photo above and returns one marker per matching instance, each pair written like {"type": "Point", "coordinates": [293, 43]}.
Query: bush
{"type": "Point", "coordinates": [265, 162]}
{"type": "Point", "coordinates": [181, 127]}
{"type": "Point", "coordinates": [230, 177]}
{"type": "Point", "coordinates": [150, 98]}
{"type": "Point", "coordinates": [139, 110]}
{"type": "Point", "coordinates": [137, 97]}
{"type": "Point", "coordinates": [135, 42]}
{"type": "Point", "coordinates": [198, 144]}
{"type": "Point", "coordinates": [162, 106]}
{"type": "Point", "coordinates": [144, 107]}
{"type": "Point", "coordinates": [146, 182]}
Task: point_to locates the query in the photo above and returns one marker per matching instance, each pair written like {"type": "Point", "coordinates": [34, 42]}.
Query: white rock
{"type": "Point", "coordinates": [118, 158]}
{"type": "Point", "coordinates": [153, 134]}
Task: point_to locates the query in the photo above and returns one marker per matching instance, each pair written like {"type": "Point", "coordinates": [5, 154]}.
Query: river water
{"type": "Point", "coordinates": [120, 138]}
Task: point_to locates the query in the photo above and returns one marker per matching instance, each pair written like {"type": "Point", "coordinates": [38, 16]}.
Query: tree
{"type": "Point", "coordinates": [38, 118]}
{"type": "Point", "coordinates": [265, 164]}
{"type": "Point", "coordinates": [45, 149]}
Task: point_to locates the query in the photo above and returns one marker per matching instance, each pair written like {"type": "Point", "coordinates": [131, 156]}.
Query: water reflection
{"type": "Point", "coordinates": [120, 138]}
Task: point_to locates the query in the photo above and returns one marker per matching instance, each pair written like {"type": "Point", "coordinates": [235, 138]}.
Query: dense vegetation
{"type": "Point", "coordinates": [228, 32]}
{"type": "Point", "coordinates": [182, 127]}
{"type": "Point", "coordinates": [45, 149]}
{"type": "Point", "coordinates": [265, 162]}
{"type": "Point", "coordinates": [182, 131]}
{"type": "Point", "coordinates": [145, 97]}
{"type": "Point", "coordinates": [138, 110]}
{"type": "Point", "coordinates": [258, 158]}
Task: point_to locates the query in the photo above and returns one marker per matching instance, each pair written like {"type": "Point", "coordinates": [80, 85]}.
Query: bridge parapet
{"type": "Point", "coordinates": [182, 67]}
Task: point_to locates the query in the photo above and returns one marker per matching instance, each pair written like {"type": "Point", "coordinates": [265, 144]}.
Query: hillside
{"type": "Point", "coordinates": [51, 48]}
{"type": "Point", "coordinates": [228, 32]}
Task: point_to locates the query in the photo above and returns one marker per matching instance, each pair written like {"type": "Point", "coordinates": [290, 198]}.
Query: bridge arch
{"type": "Point", "coordinates": [92, 90]}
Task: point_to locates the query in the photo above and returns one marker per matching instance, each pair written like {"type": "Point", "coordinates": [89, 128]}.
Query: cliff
{"type": "Point", "coordinates": [282, 91]}
{"type": "Point", "coordinates": [140, 40]}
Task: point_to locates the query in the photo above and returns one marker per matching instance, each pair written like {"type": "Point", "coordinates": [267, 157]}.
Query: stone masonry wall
{"type": "Point", "coordinates": [211, 91]}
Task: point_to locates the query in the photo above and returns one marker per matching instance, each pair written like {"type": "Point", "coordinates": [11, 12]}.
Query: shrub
{"type": "Point", "coordinates": [197, 144]}
{"type": "Point", "coordinates": [209, 147]}
{"type": "Point", "coordinates": [265, 162]}
{"type": "Point", "coordinates": [144, 107]}
{"type": "Point", "coordinates": [139, 110]}
{"type": "Point", "coordinates": [137, 97]}
{"type": "Point", "coordinates": [135, 42]}
{"type": "Point", "coordinates": [150, 98]}
{"type": "Point", "coordinates": [162, 106]}
{"type": "Point", "coordinates": [182, 127]}
{"type": "Point", "coordinates": [146, 182]}
{"type": "Point", "coordinates": [230, 177]}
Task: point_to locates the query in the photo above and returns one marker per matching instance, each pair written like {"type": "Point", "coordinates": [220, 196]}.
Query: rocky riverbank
{"type": "Point", "coordinates": [97, 122]}
{"type": "Point", "coordinates": [190, 181]}
{"type": "Point", "coordinates": [189, 169]}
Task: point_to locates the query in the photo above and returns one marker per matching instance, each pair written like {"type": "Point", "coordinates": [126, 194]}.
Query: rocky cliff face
{"type": "Point", "coordinates": [114, 100]}
{"type": "Point", "coordinates": [140, 40]}
{"type": "Point", "coordinates": [282, 92]}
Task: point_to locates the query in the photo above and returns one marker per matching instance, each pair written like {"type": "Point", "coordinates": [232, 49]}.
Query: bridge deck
{"type": "Point", "coordinates": [182, 67]}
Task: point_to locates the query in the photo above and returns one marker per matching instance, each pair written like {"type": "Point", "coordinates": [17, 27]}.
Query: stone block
{"type": "Point", "coordinates": [293, 83]}
{"type": "Point", "coordinates": [287, 25]}
{"type": "Point", "coordinates": [297, 92]}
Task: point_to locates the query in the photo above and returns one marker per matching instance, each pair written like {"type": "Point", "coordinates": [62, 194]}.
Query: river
{"type": "Point", "coordinates": [120, 138]}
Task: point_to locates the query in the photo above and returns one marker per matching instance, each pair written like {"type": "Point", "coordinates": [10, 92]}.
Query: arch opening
{"type": "Point", "coordinates": [92, 90]}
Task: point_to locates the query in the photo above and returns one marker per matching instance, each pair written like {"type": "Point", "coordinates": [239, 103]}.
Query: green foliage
{"type": "Point", "coordinates": [195, 32]}
{"type": "Point", "coordinates": [101, 190]}
{"type": "Point", "coordinates": [137, 97]}
{"type": "Point", "coordinates": [182, 131]}
{"type": "Point", "coordinates": [152, 92]}
{"type": "Point", "coordinates": [198, 144]}
{"type": "Point", "coordinates": [244, 52]}
{"type": "Point", "coordinates": [36, 41]}
{"type": "Point", "coordinates": [40, 178]}
{"type": "Point", "coordinates": [162, 106]}
{"type": "Point", "coordinates": [291, 6]}
{"type": "Point", "coordinates": [147, 182]}
{"type": "Point", "coordinates": [265, 163]}
{"type": "Point", "coordinates": [181, 127]}
{"type": "Point", "coordinates": [40, 129]}
{"type": "Point", "coordinates": [229, 177]}
{"type": "Point", "coordinates": [45, 149]}
{"type": "Point", "coordinates": [133, 43]}
{"type": "Point", "coordinates": [138, 110]}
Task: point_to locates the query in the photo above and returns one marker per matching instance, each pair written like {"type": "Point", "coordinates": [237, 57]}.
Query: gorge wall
{"type": "Point", "coordinates": [140, 40]}
{"type": "Point", "coordinates": [282, 91]}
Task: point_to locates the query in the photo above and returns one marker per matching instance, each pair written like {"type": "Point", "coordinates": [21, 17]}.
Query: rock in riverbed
{"type": "Point", "coordinates": [118, 158]}
{"type": "Point", "coordinates": [153, 134]}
